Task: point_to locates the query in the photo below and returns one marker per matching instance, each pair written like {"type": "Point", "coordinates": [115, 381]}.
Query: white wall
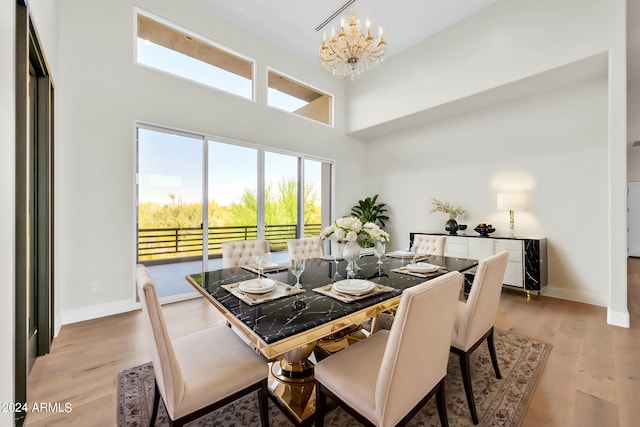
{"type": "Point", "coordinates": [506, 43]}
{"type": "Point", "coordinates": [516, 146]}
{"type": "Point", "coordinates": [7, 196]}
{"type": "Point", "coordinates": [102, 93]}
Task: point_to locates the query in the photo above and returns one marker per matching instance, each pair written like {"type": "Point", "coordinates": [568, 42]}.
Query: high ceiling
{"type": "Point", "coordinates": [292, 23]}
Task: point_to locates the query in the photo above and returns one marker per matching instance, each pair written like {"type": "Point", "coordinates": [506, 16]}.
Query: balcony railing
{"type": "Point", "coordinates": [166, 245]}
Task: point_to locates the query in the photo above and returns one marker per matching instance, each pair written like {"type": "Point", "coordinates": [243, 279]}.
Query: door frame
{"type": "Point", "coordinates": [34, 239]}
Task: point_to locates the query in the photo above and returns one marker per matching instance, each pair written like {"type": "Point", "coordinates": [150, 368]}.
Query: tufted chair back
{"type": "Point", "coordinates": [306, 248]}
{"type": "Point", "coordinates": [237, 253]}
{"type": "Point", "coordinates": [429, 245]}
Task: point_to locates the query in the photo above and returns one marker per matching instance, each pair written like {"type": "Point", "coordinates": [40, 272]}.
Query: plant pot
{"type": "Point", "coordinates": [452, 226]}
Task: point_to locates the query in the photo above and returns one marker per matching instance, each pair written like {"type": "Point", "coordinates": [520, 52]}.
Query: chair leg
{"type": "Point", "coordinates": [442, 405]}
{"type": "Point", "coordinates": [492, 353]}
{"type": "Point", "coordinates": [466, 380]}
{"type": "Point", "coordinates": [321, 405]}
{"type": "Point", "coordinates": [156, 404]}
{"type": "Point", "coordinates": [263, 403]}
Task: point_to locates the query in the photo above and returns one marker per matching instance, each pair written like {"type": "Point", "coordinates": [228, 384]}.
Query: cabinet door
{"type": "Point", "coordinates": [480, 248]}
{"type": "Point", "coordinates": [456, 246]}
{"type": "Point", "coordinates": [514, 274]}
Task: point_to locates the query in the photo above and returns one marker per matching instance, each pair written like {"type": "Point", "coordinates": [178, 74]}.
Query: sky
{"type": "Point", "coordinates": [172, 164]}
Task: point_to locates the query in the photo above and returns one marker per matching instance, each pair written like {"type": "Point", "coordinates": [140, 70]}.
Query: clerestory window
{"type": "Point", "coordinates": [176, 51]}
{"type": "Point", "coordinates": [295, 97]}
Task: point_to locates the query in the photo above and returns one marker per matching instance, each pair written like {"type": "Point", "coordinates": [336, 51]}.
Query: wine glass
{"type": "Point", "coordinates": [296, 267]}
{"type": "Point", "coordinates": [266, 259]}
{"type": "Point", "coordinates": [335, 257]}
{"type": "Point", "coordinates": [416, 252]}
{"type": "Point", "coordinates": [379, 248]}
{"type": "Point", "coordinates": [258, 258]}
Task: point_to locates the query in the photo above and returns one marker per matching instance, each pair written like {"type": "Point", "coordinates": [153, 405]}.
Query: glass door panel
{"type": "Point", "coordinates": [280, 199]}
{"type": "Point", "coordinates": [312, 197]}
{"type": "Point", "coordinates": [232, 194]}
{"type": "Point", "coordinates": [170, 204]}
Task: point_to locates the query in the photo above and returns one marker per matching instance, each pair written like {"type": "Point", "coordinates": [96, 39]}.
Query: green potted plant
{"type": "Point", "coordinates": [368, 210]}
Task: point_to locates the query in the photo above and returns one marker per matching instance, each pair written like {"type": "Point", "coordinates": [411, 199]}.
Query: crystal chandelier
{"type": "Point", "coordinates": [351, 52]}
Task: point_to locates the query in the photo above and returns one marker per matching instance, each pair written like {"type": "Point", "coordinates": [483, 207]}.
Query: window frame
{"type": "Point", "coordinates": [138, 11]}
{"type": "Point", "coordinates": [270, 69]}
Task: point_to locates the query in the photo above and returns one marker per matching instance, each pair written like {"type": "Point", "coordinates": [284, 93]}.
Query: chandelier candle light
{"type": "Point", "coordinates": [351, 52]}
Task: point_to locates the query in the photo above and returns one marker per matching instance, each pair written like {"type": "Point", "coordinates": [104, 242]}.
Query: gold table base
{"type": "Point", "coordinates": [291, 379]}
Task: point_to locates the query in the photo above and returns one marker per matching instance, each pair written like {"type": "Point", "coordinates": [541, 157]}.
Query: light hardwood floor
{"type": "Point", "coordinates": [592, 377]}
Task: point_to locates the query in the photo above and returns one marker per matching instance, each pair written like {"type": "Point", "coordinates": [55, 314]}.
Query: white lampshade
{"type": "Point", "coordinates": [512, 201]}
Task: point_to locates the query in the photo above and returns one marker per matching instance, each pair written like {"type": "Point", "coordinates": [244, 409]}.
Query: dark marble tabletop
{"type": "Point", "coordinates": [278, 319]}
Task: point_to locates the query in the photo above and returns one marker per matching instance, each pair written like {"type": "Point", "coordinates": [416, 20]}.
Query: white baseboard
{"type": "Point", "coordinates": [576, 295]}
{"type": "Point", "coordinates": [617, 318]}
{"type": "Point", "coordinates": [180, 297]}
{"type": "Point", "coordinates": [102, 310]}
{"type": "Point", "coordinates": [95, 311]}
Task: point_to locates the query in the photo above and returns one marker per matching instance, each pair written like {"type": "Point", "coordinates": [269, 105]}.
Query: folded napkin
{"type": "Point", "coordinates": [400, 254]}
{"type": "Point", "coordinates": [330, 292]}
{"type": "Point", "coordinates": [281, 290]}
{"type": "Point", "coordinates": [254, 268]}
{"type": "Point", "coordinates": [330, 258]}
{"type": "Point", "coordinates": [405, 270]}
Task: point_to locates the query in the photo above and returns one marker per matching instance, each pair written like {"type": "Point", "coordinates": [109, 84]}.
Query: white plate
{"type": "Point", "coordinates": [258, 286]}
{"type": "Point", "coordinates": [422, 267]}
{"type": "Point", "coordinates": [401, 254]}
{"type": "Point", "coordinates": [354, 286]}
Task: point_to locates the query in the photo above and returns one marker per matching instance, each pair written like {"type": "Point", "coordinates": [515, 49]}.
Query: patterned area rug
{"type": "Point", "coordinates": [499, 402]}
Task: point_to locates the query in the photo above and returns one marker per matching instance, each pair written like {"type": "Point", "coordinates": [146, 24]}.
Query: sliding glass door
{"type": "Point", "coordinates": [195, 192]}
{"type": "Point", "coordinates": [170, 171]}
{"type": "Point", "coordinates": [280, 199]}
{"type": "Point", "coordinates": [232, 194]}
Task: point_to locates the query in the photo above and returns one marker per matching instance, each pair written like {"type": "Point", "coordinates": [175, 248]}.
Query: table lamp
{"type": "Point", "coordinates": [510, 202]}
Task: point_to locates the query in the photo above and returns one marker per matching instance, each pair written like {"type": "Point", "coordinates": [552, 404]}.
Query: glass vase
{"type": "Point", "coordinates": [351, 254]}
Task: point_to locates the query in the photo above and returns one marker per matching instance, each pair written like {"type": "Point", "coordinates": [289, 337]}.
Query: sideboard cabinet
{"type": "Point", "coordinates": [527, 265]}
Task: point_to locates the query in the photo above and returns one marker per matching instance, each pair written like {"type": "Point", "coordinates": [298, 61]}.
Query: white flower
{"type": "Point", "coordinates": [340, 234]}
{"type": "Point", "coordinates": [351, 229]}
{"type": "Point", "coordinates": [327, 231]}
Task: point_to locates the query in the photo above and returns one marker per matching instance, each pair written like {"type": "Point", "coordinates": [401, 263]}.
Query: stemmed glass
{"type": "Point", "coordinates": [335, 256]}
{"type": "Point", "coordinates": [297, 267]}
{"type": "Point", "coordinates": [379, 248]}
{"type": "Point", "coordinates": [258, 258]}
{"type": "Point", "coordinates": [416, 252]}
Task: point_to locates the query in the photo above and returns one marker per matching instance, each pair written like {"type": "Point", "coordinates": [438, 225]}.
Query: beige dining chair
{"type": "Point", "coordinates": [425, 244]}
{"type": "Point", "coordinates": [475, 319]}
{"type": "Point", "coordinates": [200, 372]}
{"type": "Point", "coordinates": [240, 252]}
{"type": "Point", "coordinates": [385, 379]}
{"type": "Point", "coordinates": [428, 244]}
{"type": "Point", "coordinates": [305, 248]}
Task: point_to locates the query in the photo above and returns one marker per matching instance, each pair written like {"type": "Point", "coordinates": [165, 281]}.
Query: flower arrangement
{"type": "Point", "coordinates": [351, 229]}
{"type": "Point", "coordinates": [446, 207]}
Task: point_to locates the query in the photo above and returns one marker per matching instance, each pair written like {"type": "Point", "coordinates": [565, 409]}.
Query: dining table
{"type": "Point", "coordinates": [288, 323]}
